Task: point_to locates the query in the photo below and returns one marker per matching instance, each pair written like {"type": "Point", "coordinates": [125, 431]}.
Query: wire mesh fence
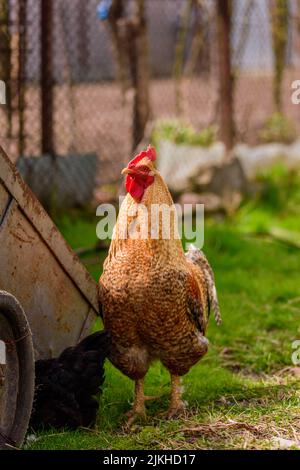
{"type": "Point", "coordinates": [64, 95]}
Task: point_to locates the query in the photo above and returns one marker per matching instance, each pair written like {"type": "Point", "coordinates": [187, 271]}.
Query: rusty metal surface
{"type": "Point", "coordinates": [4, 200]}
{"type": "Point", "coordinates": [37, 266]}
{"type": "Point", "coordinates": [86, 327]}
{"type": "Point", "coordinates": [42, 223]}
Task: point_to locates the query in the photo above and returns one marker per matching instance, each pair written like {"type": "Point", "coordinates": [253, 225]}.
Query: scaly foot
{"type": "Point", "coordinates": [138, 409]}
{"type": "Point", "coordinates": [177, 405]}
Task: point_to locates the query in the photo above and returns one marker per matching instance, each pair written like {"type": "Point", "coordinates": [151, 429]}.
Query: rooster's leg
{"type": "Point", "coordinates": [138, 409]}
{"type": "Point", "coordinates": [177, 405]}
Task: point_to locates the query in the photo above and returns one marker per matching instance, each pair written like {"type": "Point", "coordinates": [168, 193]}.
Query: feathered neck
{"type": "Point", "coordinates": [149, 226]}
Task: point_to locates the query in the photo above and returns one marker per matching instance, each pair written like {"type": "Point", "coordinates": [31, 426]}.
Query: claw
{"type": "Point", "coordinates": [174, 411]}
{"type": "Point", "coordinates": [135, 414]}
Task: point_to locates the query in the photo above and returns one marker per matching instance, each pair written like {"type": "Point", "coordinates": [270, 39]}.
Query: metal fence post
{"type": "Point", "coordinates": [225, 75]}
{"type": "Point", "coordinates": [47, 76]}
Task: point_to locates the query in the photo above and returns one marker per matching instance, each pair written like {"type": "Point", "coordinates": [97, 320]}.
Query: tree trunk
{"type": "Point", "coordinates": [179, 55]}
{"type": "Point", "coordinates": [129, 36]}
{"type": "Point", "coordinates": [5, 61]}
{"type": "Point", "coordinates": [140, 75]}
{"type": "Point", "coordinates": [225, 72]}
{"type": "Point", "coordinates": [279, 24]}
{"type": "Point", "coordinates": [119, 40]}
{"type": "Point", "coordinates": [46, 76]}
{"type": "Point", "coordinates": [22, 13]}
{"type": "Point", "coordinates": [83, 38]}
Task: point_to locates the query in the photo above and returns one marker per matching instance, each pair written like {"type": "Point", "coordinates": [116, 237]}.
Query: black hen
{"type": "Point", "coordinates": [66, 386]}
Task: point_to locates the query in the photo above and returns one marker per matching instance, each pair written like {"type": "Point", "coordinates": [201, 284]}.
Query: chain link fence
{"type": "Point", "coordinates": [64, 93]}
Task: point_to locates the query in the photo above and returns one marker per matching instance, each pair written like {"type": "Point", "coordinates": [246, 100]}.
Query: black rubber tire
{"type": "Point", "coordinates": [21, 356]}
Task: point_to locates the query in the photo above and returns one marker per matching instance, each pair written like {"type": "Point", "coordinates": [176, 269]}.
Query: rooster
{"type": "Point", "coordinates": [156, 300]}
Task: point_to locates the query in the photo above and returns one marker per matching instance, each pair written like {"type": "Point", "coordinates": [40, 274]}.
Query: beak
{"type": "Point", "coordinates": [134, 171]}
{"type": "Point", "coordinates": [127, 171]}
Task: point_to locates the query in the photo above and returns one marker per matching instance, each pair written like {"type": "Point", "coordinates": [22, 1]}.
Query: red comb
{"type": "Point", "coordinates": [149, 153]}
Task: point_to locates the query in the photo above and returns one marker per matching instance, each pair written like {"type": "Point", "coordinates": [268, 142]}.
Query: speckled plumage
{"type": "Point", "coordinates": [155, 299]}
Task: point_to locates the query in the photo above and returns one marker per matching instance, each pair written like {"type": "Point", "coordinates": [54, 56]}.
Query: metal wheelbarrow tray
{"type": "Point", "coordinates": [48, 300]}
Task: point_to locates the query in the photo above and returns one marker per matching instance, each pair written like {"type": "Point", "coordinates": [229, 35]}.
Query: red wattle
{"type": "Point", "coordinates": [135, 190]}
{"type": "Point", "coordinates": [137, 185]}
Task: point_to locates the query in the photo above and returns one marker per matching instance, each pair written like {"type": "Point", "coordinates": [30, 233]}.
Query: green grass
{"type": "Point", "coordinates": [243, 393]}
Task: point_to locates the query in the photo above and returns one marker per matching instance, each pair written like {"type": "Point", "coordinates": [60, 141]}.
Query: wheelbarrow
{"type": "Point", "coordinates": [48, 301]}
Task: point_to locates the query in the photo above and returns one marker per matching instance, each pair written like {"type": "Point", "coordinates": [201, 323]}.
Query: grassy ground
{"type": "Point", "coordinates": [245, 392]}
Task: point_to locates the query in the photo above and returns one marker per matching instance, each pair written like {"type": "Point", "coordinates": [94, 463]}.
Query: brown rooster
{"type": "Point", "coordinates": [156, 300]}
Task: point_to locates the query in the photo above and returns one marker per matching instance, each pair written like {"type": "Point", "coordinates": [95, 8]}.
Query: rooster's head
{"type": "Point", "coordinates": [140, 173]}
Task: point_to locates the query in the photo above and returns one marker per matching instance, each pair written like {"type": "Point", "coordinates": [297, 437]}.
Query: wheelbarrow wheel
{"type": "Point", "coordinates": [16, 372]}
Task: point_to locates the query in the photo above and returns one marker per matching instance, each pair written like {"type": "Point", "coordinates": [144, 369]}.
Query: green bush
{"type": "Point", "coordinates": [278, 128]}
{"type": "Point", "coordinates": [181, 133]}
{"type": "Point", "coordinates": [280, 187]}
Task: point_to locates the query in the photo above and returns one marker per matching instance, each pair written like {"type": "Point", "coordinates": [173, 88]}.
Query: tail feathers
{"type": "Point", "coordinates": [198, 257]}
{"type": "Point", "coordinates": [215, 305]}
